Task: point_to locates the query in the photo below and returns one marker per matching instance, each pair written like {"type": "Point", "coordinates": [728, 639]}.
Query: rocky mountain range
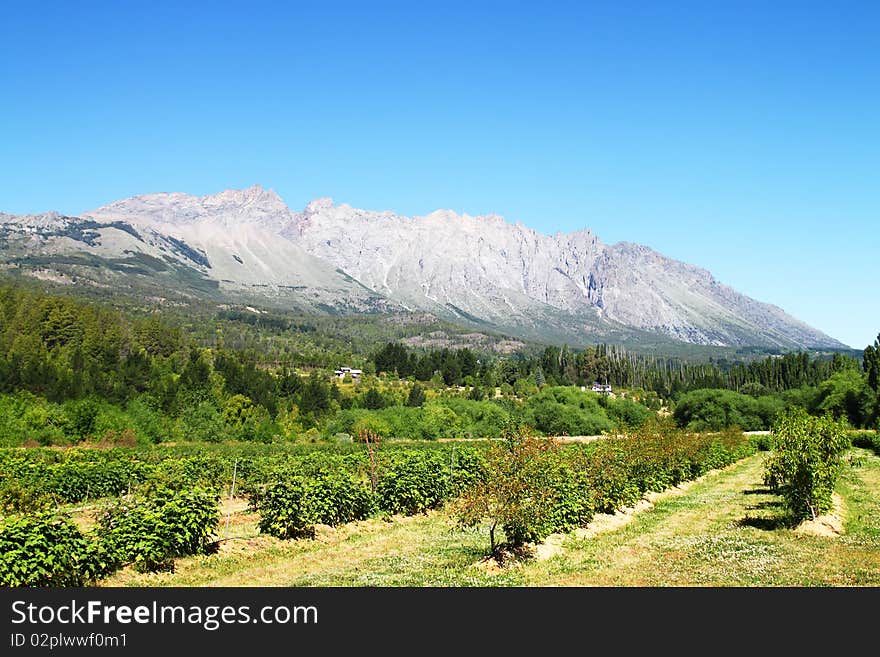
{"type": "Point", "coordinates": [480, 271]}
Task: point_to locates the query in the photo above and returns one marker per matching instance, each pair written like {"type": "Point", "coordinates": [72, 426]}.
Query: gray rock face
{"type": "Point", "coordinates": [480, 270]}
{"type": "Point", "coordinates": [507, 274]}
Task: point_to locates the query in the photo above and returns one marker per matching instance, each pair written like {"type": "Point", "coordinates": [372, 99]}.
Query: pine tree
{"type": "Point", "coordinates": [417, 396]}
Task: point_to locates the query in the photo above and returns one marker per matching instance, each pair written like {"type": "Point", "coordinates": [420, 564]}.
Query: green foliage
{"type": "Point", "coordinates": [846, 395]}
{"type": "Point", "coordinates": [868, 440]}
{"type": "Point", "coordinates": [285, 511]}
{"type": "Point", "coordinates": [18, 496]}
{"type": "Point", "coordinates": [871, 364]}
{"type": "Point", "coordinates": [149, 532]}
{"type": "Point", "coordinates": [413, 482]}
{"type": "Point", "coordinates": [804, 464]}
{"type": "Point", "coordinates": [716, 409]}
{"type": "Point", "coordinates": [82, 417]}
{"type": "Point", "coordinates": [373, 400]}
{"type": "Point", "coordinates": [566, 411]}
{"type": "Point", "coordinates": [201, 422]}
{"type": "Point", "coordinates": [291, 507]}
{"type": "Point", "coordinates": [763, 442]}
{"type": "Point", "coordinates": [531, 487]}
{"type": "Point", "coordinates": [626, 414]}
{"type": "Point", "coordinates": [244, 420]}
{"type": "Point", "coordinates": [45, 549]}
{"type": "Point", "coordinates": [439, 421]}
{"type": "Point", "coordinates": [468, 466]}
{"type": "Point", "coordinates": [74, 481]}
{"type": "Point", "coordinates": [521, 491]}
{"type": "Point", "coordinates": [147, 419]}
{"type": "Point", "coordinates": [336, 497]}
{"type": "Point", "coordinates": [606, 474]}
{"type": "Point", "coordinates": [416, 396]}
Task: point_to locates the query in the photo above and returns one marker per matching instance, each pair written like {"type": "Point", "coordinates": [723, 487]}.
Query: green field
{"type": "Point", "coordinates": [724, 530]}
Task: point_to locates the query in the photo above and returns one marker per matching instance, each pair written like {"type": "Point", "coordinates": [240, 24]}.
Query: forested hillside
{"type": "Point", "coordinates": [73, 370]}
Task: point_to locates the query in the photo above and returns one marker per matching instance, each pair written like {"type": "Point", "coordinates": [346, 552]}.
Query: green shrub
{"type": "Point", "coordinates": [290, 507]}
{"type": "Point", "coordinates": [763, 442]}
{"type": "Point", "coordinates": [524, 493]}
{"type": "Point", "coordinates": [336, 498]}
{"type": "Point", "coordinates": [439, 421]}
{"type": "Point", "coordinates": [74, 480]}
{"type": "Point", "coordinates": [566, 411]}
{"type": "Point", "coordinates": [573, 500]}
{"type": "Point", "coordinates": [607, 475]}
{"type": "Point", "coordinates": [413, 482]}
{"type": "Point", "coordinates": [45, 549]}
{"type": "Point", "coordinates": [23, 497]}
{"type": "Point", "coordinates": [201, 422]}
{"type": "Point", "coordinates": [625, 413]}
{"type": "Point", "coordinates": [149, 532]}
{"type": "Point", "coordinates": [714, 409]}
{"type": "Point", "coordinates": [804, 464]}
{"type": "Point", "coordinates": [82, 418]}
{"type": "Point", "coordinates": [285, 509]}
{"type": "Point", "coordinates": [868, 440]}
{"type": "Point", "coordinates": [468, 467]}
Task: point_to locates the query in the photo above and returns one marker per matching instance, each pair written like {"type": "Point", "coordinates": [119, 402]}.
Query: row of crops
{"type": "Point", "coordinates": [159, 504]}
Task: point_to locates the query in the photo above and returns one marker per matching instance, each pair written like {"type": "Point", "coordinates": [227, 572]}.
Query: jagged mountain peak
{"type": "Point", "coordinates": [43, 218]}
{"type": "Point", "coordinates": [472, 222]}
{"type": "Point", "coordinates": [253, 204]}
{"type": "Point", "coordinates": [317, 205]}
{"type": "Point", "coordinates": [252, 197]}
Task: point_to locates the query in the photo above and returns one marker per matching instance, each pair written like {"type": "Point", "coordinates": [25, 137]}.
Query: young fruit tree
{"type": "Point", "coordinates": [518, 493]}
{"type": "Point", "coordinates": [804, 463]}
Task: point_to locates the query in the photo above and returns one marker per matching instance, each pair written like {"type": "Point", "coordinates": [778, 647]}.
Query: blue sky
{"type": "Point", "coordinates": [743, 137]}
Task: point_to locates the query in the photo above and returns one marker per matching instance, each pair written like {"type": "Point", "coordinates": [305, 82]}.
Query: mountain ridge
{"type": "Point", "coordinates": [469, 268]}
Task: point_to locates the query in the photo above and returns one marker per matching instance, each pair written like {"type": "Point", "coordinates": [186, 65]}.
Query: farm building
{"type": "Point", "coordinates": [342, 371]}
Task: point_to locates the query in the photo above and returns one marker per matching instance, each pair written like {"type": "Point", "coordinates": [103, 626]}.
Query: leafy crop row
{"type": "Point", "coordinates": [49, 549]}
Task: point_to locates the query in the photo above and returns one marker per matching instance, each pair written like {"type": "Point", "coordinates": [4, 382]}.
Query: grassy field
{"type": "Point", "coordinates": [723, 530]}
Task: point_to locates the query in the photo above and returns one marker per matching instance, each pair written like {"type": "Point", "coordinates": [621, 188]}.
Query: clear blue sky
{"type": "Point", "coordinates": [743, 137]}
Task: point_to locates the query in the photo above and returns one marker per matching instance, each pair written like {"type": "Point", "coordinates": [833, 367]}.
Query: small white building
{"type": "Point", "coordinates": [342, 371]}
{"type": "Point", "coordinates": [603, 388]}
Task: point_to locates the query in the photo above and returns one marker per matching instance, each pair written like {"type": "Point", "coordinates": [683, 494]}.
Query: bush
{"type": "Point", "coordinates": [763, 443]}
{"type": "Point", "coordinates": [23, 497]}
{"type": "Point", "coordinates": [716, 409]}
{"type": "Point", "coordinates": [625, 413]}
{"type": "Point", "coordinates": [290, 508]}
{"type": "Point", "coordinates": [201, 422]}
{"type": "Point", "coordinates": [868, 440]}
{"type": "Point", "coordinates": [75, 481]}
{"type": "Point", "coordinates": [336, 498]}
{"type": "Point", "coordinates": [468, 468]}
{"type": "Point", "coordinates": [146, 419]}
{"type": "Point", "coordinates": [439, 421]}
{"type": "Point", "coordinates": [150, 532]}
{"type": "Point", "coordinates": [607, 475]}
{"type": "Point", "coordinates": [804, 464]}
{"type": "Point", "coordinates": [82, 418]}
{"type": "Point", "coordinates": [527, 493]}
{"type": "Point", "coordinates": [566, 411]}
{"type": "Point", "coordinates": [284, 510]}
{"type": "Point", "coordinates": [45, 549]}
{"type": "Point", "coordinates": [413, 482]}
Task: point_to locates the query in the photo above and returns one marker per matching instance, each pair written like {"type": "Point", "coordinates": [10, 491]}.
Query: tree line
{"type": "Point", "coordinates": [614, 365]}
